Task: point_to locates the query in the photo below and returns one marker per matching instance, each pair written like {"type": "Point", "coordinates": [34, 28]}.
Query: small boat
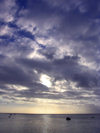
{"type": "Point", "coordinates": [68, 118]}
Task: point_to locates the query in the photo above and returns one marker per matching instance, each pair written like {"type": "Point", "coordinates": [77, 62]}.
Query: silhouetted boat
{"type": "Point", "coordinates": [68, 118]}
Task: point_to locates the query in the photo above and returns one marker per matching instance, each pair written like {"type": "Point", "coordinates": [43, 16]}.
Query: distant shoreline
{"type": "Point", "coordinates": [50, 114]}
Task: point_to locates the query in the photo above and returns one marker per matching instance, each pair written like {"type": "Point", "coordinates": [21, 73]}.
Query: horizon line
{"type": "Point", "coordinates": [51, 113]}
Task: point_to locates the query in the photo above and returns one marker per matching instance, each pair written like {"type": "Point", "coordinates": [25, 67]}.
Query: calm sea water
{"type": "Point", "coordinates": [21, 123]}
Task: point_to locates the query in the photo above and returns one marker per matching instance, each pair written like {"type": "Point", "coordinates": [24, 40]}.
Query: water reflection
{"type": "Point", "coordinates": [49, 124]}
{"type": "Point", "coordinates": [46, 123]}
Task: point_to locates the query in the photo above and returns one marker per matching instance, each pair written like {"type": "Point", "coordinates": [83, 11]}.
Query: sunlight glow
{"type": "Point", "coordinates": [45, 80]}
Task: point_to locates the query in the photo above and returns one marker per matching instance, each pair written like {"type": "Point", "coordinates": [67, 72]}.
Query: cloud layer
{"type": "Point", "coordinates": [57, 40]}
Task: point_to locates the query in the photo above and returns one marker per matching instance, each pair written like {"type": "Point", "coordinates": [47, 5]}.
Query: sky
{"type": "Point", "coordinates": [50, 56]}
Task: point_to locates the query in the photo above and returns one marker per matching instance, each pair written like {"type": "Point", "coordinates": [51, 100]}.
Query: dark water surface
{"type": "Point", "coordinates": [22, 123]}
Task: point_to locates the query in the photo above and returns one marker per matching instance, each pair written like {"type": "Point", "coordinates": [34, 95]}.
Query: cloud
{"type": "Point", "coordinates": [7, 10]}
{"type": "Point", "coordinates": [59, 39]}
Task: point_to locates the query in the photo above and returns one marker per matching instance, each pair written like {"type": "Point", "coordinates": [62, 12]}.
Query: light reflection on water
{"type": "Point", "coordinates": [49, 124]}
{"type": "Point", "coordinates": [46, 123]}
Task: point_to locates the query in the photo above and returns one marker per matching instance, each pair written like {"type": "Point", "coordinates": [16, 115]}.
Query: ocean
{"type": "Point", "coordinates": [28, 123]}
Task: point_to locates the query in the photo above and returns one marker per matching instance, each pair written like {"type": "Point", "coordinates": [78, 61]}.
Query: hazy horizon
{"type": "Point", "coordinates": [48, 113]}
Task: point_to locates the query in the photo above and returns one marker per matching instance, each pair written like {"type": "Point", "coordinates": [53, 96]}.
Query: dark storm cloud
{"type": "Point", "coordinates": [18, 76]}
{"type": "Point", "coordinates": [72, 21]}
{"type": "Point", "coordinates": [79, 23]}
{"type": "Point", "coordinates": [2, 93]}
{"type": "Point", "coordinates": [34, 9]}
{"type": "Point", "coordinates": [67, 68]}
{"type": "Point", "coordinates": [14, 74]}
{"type": "Point", "coordinates": [26, 34]}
